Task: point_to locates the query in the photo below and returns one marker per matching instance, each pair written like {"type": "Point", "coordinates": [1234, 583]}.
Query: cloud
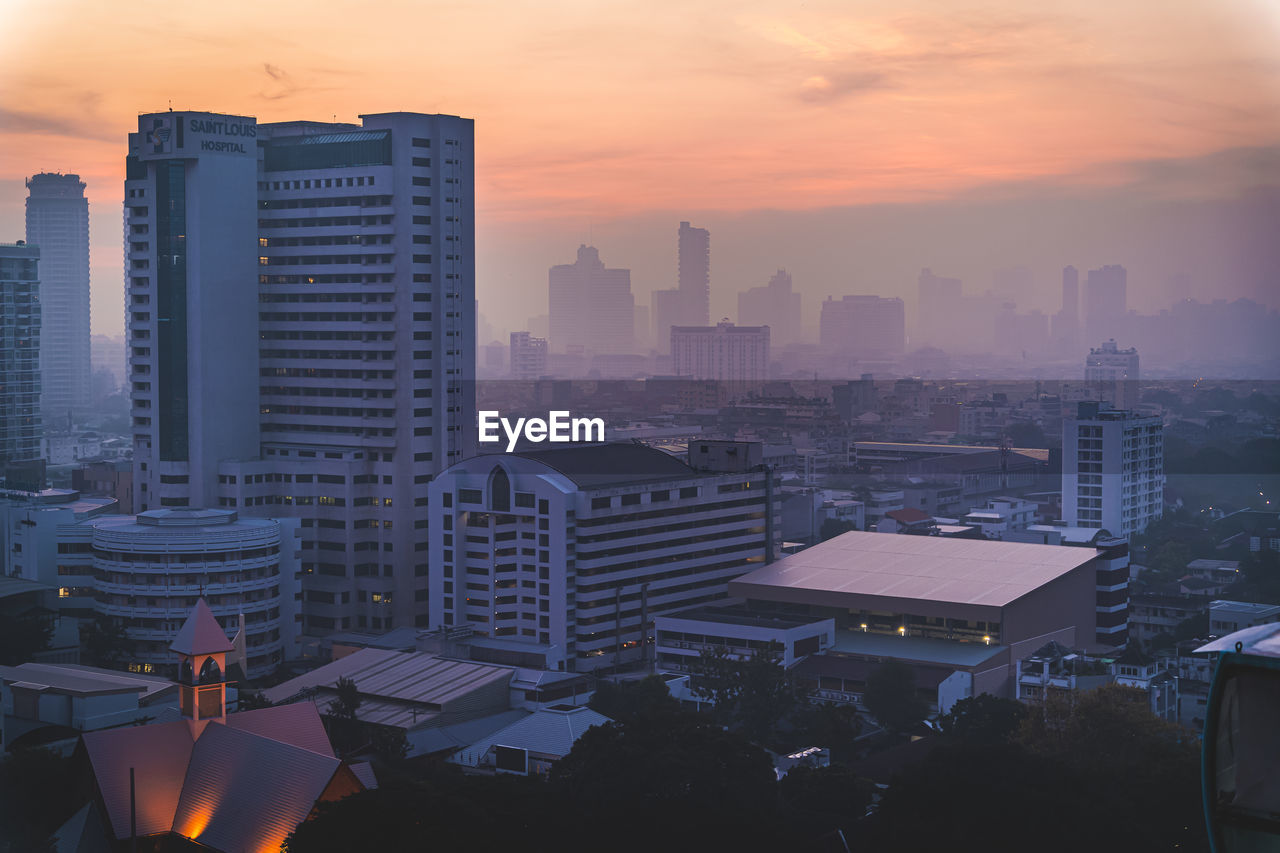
{"type": "Point", "coordinates": [37, 123]}
{"type": "Point", "coordinates": [823, 88]}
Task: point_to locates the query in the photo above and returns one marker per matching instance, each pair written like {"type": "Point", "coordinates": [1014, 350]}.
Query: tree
{"type": "Point", "coordinates": [983, 719]}
{"type": "Point", "coordinates": [22, 637]}
{"type": "Point", "coordinates": [626, 700]}
{"type": "Point", "coordinates": [827, 724]}
{"type": "Point", "coordinates": [833, 527]}
{"type": "Point", "coordinates": [892, 698]}
{"type": "Point", "coordinates": [104, 641]}
{"type": "Point", "coordinates": [343, 726]}
{"type": "Point", "coordinates": [1143, 771]}
{"type": "Point", "coordinates": [36, 797]}
{"type": "Point", "coordinates": [1026, 434]}
{"type": "Point", "coordinates": [643, 783]}
{"type": "Point", "coordinates": [824, 799]}
{"type": "Point", "coordinates": [751, 696]}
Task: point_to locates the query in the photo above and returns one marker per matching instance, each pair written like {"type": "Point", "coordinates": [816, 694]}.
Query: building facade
{"type": "Point", "coordinates": [336, 263]}
{"type": "Point", "coordinates": [58, 223]}
{"type": "Point", "coordinates": [150, 569]}
{"type": "Point", "coordinates": [528, 356]}
{"type": "Point", "coordinates": [571, 553]}
{"type": "Point", "coordinates": [775, 305]}
{"type": "Point", "coordinates": [1105, 302]}
{"type": "Point", "coordinates": [723, 352]}
{"type": "Point", "coordinates": [592, 308]}
{"type": "Point", "coordinates": [20, 322]}
{"type": "Point", "coordinates": [1111, 374]}
{"type": "Point", "coordinates": [863, 326]}
{"type": "Point", "coordinates": [1112, 469]}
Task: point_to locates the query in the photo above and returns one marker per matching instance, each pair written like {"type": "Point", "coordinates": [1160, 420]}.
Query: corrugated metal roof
{"type": "Point", "coordinates": [201, 634]}
{"type": "Point", "coordinates": [364, 772]}
{"type": "Point", "coordinates": [82, 680]}
{"type": "Point", "coordinates": [450, 738]}
{"type": "Point", "coordinates": [297, 724]}
{"type": "Point", "coordinates": [247, 793]}
{"type": "Point", "coordinates": [547, 731]}
{"type": "Point", "coordinates": [928, 568]}
{"type": "Point", "coordinates": [159, 755]}
{"type": "Point", "coordinates": [417, 677]}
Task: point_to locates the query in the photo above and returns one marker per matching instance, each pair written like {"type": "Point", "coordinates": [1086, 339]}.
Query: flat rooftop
{"type": "Point", "coordinates": [921, 568]}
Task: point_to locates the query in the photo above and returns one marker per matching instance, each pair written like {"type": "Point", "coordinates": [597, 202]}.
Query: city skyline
{"type": "Point", "coordinates": [851, 147]}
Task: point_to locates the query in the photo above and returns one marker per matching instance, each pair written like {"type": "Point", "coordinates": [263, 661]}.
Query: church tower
{"type": "Point", "coordinates": [202, 648]}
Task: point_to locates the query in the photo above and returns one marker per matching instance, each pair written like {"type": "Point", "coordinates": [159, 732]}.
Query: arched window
{"type": "Point", "coordinates": [499, 490]}
{"type": "Point", "coordinates": [210, 673]}
{"type": "Point", "coordinates": [185, 672]}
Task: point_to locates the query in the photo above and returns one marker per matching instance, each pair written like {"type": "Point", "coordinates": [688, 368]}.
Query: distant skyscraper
{"type": "Point", "coordinates": [863, 326]}
{"type": "Point", "coordinates": [58, 224]}
{"type": "Point", "coordinates": [1112, 374]}
{"type": "Point", "coordinates": [326, 376]}
{"type": "Point", "coordinates": [1066, 323]}
{"type": "Point", "coordinates": [667, 312]}
{"type": "Point", "coordinates": [938, 303]}
{"type": "Point", "coordinates": [528, 356]}
{"type": "Point", "coordinates": [689, 303]}
{"type": "Point", "coordinates": [592, 308]}
{"type": "Point", "coordinates": [1105, 302]}
{"type": "Point", "coordinates": [20, 421]}
{"type": "Point", "coordinates": [1112, 469]}
{"type": "Point", "coordinates": [724, 352]}
{"type": "Point", "coordinates": [775, 305]}
{"type": "Point", "coordinates": [695, 274]}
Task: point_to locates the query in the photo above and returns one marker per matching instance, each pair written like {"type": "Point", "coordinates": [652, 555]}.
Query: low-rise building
{"type": "Point", "coordinates": [530, 746]}
{"type": "Point", "coordinates": [1227, 617]}
{"type": "Point", "coordinates": [682, 637]}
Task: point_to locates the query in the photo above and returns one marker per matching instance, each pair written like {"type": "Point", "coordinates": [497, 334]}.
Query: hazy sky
{"type": "Point", "coordinates": [850, 142]}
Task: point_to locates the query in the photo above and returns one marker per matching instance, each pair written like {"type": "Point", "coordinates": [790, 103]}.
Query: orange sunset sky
{"type": "Point", "coordinates": [610, 121]}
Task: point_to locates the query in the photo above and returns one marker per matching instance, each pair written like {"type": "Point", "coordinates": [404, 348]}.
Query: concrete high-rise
{"type": "Point", "coordinates": [1066, 323]}
{"type": "Point", "coordinates": [20, 421]}
{"type": "Point", "coordinates": [58, 224]}
{"type": "Point", "coordinates": [689, 303]}
{"type": "Point", "coordinates": [1112, 469]}
{"type": "Point", "coordinates": [190, 228]}
{"type": "Point", "coordinates": [1105, 302]}
{"type": "Point", "coordinates": [1112, 375]}
{"type": "Point", "coordinates": [938, 303]}
{"type": "Point", "coordinates": [775, 305]}
{"type": "Point", "coordinates": [863, 326]}
{"type": "Point", "coordinates": [343, 259]}
{"type": "Point", "coordinates": [694, 267]}
{"type": "Point", "coordinates": [591, 306]}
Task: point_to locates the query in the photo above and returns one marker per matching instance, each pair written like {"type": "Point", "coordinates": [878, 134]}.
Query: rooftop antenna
{"type": "Point", "coordinates": [171, 105]}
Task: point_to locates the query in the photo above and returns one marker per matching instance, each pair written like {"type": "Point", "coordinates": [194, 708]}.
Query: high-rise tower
{"type": "Point", "coordinates": [347, 322]}
{"type": "Point", "coordinates": [58, 224]}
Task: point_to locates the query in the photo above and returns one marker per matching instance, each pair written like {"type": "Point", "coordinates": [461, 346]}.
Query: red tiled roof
{"type": "Point", "coordinates": [910, 515]}
{"type": "Point", "coordinates": [201, 634]}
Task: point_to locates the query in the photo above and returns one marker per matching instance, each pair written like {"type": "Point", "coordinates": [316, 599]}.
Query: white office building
{"type": "Point", "coordinates": [335, 263]}
{"type": "Point", "coordinates": [528, 356]}
{"type": "Point", "coordinates": [1111, 374]}
{"type": "Point", "coordinates": [723, 352]}
{"type": "Point", "coordinates": [571, 553]}
{"type": "Point", "coordinates": [58, 224]}
{"type": "Point", "coordinates": [1112, 469]}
